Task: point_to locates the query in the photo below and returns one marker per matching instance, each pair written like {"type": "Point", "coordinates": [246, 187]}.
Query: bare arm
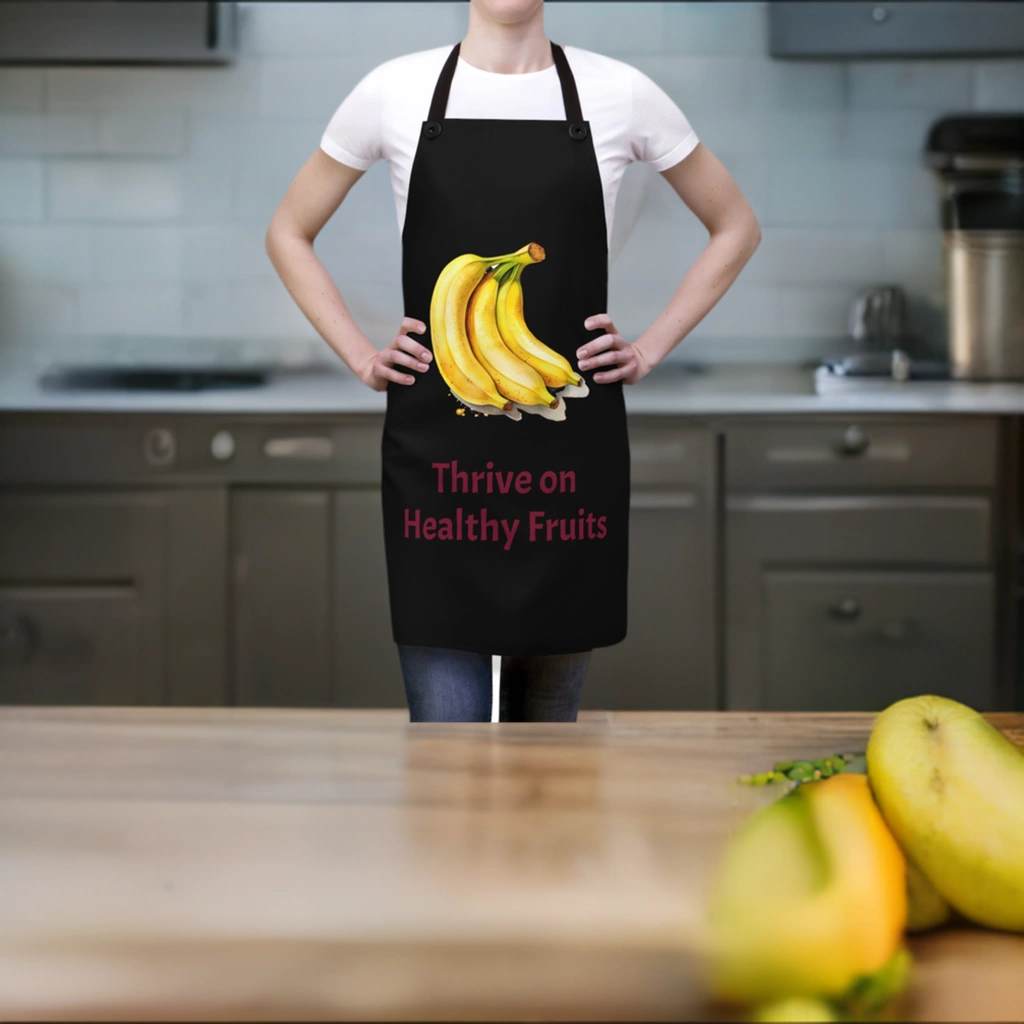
{"type": "Point", "coordinates": [707, 188]}
{"type": "Point", "coordinates": [311, 200]}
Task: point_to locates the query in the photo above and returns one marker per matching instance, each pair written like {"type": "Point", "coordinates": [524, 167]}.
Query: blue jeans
{"type": "Point", "coordinates": [444, 685]}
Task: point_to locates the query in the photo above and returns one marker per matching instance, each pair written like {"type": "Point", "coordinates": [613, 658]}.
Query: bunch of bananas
{"type": "Point", "coordinates": [488, 357]}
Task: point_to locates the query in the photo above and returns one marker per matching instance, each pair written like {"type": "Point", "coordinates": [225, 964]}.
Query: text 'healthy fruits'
{"type": "Point", "coordinates": [488, 357]}
{"type": "Point", "coordinates": [811, 896]}
{"type": "Point", "coordinates": [951, 788]}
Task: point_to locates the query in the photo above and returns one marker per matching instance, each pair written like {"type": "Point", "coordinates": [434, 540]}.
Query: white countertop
{"type": "Point", "coordinates": [669, 390]}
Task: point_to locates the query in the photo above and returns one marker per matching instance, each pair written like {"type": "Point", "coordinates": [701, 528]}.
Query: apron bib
{"type": "Point", "coordinates": [505, 485]}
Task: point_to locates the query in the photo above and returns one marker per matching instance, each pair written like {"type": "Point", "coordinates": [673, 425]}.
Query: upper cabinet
{"type": "Point", "coordinates": [115, 32]}
{"type": "Point", "coordinates": [967, 28]}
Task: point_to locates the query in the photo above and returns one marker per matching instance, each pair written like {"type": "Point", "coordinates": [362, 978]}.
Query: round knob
{"type": "Point", "coordinates": [222, 446]}
{"type": "Point", "coordinates": [159, 447]}
{"type": "Point", "coordinates": [879, 14]}
{"type": "Point", "coordinates": [845, 610]}
{"type": "Point", "coordinates": [854, 441]}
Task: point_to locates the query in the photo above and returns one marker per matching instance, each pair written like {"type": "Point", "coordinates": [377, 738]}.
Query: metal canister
{"type": "Point", "coordinates": [985, 280]}
{"type": "Point", "coordinates": [980, 163]}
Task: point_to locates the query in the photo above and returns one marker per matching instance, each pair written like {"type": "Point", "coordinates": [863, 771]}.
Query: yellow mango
{"type": "Point", "coordinates": [810, 896]}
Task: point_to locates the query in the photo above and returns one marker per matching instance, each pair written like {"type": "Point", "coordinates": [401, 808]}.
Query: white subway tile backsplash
{"type": "Point", "coordinates": [105, 190]}
{"type": "Point", "coordinates": [253, 310]}
{"type": "Point", "coordinates": [913, 257]}
{"type": "Point", "coordinates": [211, 168]}
{"type": "Point", "coordinates": [816, 311]}
{"type": "Point", "coordinates": [895, 85]}
{"type": "Point", "coordinates": [131, 133]}
{"type": "Point", "coordinates": [297, 29]}
{"type": "Point", "coordinates": [850, 193]}
{"type": "Point", "coordinates": [21, 89]}
{"type": "Point", "coordinates": [37, 134]}
{"type": "Point", "coordinates": [714, 28]}
{"type": "Point", "coordinates": [45, 253]}
{"type": "Point", "coordinates": [388, 30]}
{"type": "Point", "coordinates": [797, 85]}
{"type": "Point", "coordinates": [349, 29]}
{"type": "Point", "coordinates": [30, 311]}
{"type": "Point", "coordinates": [745, 311]}
{"type": "Point", "coordinates": [790, 133]}
{"type": "Point", "coordinates": [226, 252]}
{"type": "Point", "coordinates": [226, 89]}
{"type": "Point", "coordinates": [133, 310]}
{"type": "Point", "coordinates": [308, 88]}
{"type": "Point", "coordinates": [282, 147]}
{"type": "Point", "coordinates": [627, 29]}
{"type": "Point", "coordinates": [886, 133]}
{"type": "Point", "coordinates": [137, 255]}
{"type": "Point", "coordinates": [21, 189]}
{"type": "Point", "coordinates": [701, 86]}
{"type": "Point", "coordinates": [999, 85]}
{"type": "Point", "coordinates": [793, 256]}
{"type": "Point", "coordinates": [134, 200]}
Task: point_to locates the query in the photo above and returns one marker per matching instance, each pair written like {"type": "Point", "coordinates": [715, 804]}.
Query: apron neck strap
{"type": "Point", "coordinates": [570, 97]}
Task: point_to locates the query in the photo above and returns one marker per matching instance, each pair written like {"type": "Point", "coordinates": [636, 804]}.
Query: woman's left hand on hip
{"type": "Point", "coordinates": [625, 361]}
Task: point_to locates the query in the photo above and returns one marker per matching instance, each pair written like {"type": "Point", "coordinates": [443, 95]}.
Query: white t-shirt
{"type": "Point", "coordinates": [631, 118]}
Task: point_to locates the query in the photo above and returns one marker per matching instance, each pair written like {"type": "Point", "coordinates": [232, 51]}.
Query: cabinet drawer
{"type": "Point", "coordinates": [663, 454]}
{"type": "Point", "coordinates": [71, 645]}
{"type": "Point", "coordinates": [857, 641]}
{"type": "Point", "coordinates": [854, 454]}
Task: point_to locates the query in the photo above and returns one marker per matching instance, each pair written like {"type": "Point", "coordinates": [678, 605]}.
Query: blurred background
{"type": "Point", "coordinates": [134, 199]}
{"type": "Point", "coordinates": [826, 484]}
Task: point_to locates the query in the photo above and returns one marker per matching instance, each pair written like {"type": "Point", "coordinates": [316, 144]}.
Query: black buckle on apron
{"type": "Point", "coordinates": [578, 130]}
{"type": "Point", "coordinates": [432, 129]}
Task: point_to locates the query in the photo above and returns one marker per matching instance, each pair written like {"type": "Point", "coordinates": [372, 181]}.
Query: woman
{"type": "Point", "coordinates": [505, 454]}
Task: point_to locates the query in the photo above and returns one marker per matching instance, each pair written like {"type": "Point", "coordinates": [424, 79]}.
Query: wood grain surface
{"type": "Point", "coordinates": [223, 864]}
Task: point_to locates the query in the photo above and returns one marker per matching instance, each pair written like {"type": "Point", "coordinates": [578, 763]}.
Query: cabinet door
{"type": "Point", "coordinates": [71, 645]}
{"type": "Point", "coordinates": [667, 660]}
{"type": "Point", "coordinates": [366, 668]}
{"type": "Point", "coordinates": [281, 594]}
{"type": "Point", "coordinates": [842, 602]}
{"type": "Point", "coordinates": [82, 597]}
{"type": "Point", "coordinates": [857, 641]}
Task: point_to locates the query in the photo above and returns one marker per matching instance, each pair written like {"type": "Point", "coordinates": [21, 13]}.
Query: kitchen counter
{"type": "Point", "coordinates": [263, 864]}
{"type": "Point", "coordinates": [670, 389]}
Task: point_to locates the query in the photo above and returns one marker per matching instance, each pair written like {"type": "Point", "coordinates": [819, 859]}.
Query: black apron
{"type": "Point", "coordinates": [506, 528]}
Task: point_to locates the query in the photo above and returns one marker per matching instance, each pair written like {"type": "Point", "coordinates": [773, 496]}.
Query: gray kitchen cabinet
{"type": "Point", "coordinates": [876, 636]}
{"type": "Point", "coordinates": [82, 598]}
{"type": "Point", "coordinates": [667, 661]}
{"type": "Point", "coordinates": [852, 581]}
{"type": "Point", "coordinates": [281, 597]}
{"type": "Point", "coordinates": [924, 28]}
{"type": "Point", "coordinates": [367, 673]}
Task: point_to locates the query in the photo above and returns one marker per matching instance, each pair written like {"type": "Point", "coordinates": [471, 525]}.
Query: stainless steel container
{"type": "Point", "coordinates": [985, 281]}
{"type": "Point", "coordinates": [980, 163]}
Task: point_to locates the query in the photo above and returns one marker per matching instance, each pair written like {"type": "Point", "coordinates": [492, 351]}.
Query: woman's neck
{"type": "Point", "coordinates": [507, 49]}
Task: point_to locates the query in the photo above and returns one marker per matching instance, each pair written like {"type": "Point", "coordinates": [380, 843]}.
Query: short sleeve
{"type": "Point", "coordinates": [660, 133]}
{"type": "Point", "coordinates": [353, 135]}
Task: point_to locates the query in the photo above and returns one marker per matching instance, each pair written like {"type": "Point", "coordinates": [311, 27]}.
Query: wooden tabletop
{"type": "Point", "coordinates": [216, 864]}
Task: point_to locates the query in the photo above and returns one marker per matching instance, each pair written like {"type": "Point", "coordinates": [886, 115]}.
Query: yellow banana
{"type": "Point", "coordinates": [468, 380]}
{"type": "Point", "coordinates": [513, 378]}
{"type": "Point", "coordinates": [554, 369]}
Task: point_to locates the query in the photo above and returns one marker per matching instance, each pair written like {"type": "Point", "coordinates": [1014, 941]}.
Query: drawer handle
{"type": "Point", "coordinates": [855, 442]}
{"type": "Point", "coordinates": [17, 639]}
{"type": "Point", "coordinates": [304, 449]}
{"type": "Point", "coordinates": [846, 610]}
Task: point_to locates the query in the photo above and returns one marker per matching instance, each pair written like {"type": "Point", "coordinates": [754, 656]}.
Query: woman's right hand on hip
{"type": "Point", "coordinates": [402, 351]}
